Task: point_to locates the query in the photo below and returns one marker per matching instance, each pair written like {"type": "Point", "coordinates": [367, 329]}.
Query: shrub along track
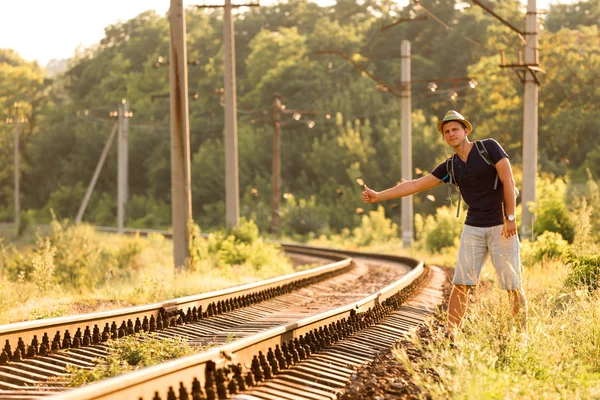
{"type": "Point", "coordinates": [271, 311]}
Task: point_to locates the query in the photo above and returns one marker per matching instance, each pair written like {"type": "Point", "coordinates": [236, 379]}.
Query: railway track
{"type": "Point", "coordinates": [283, 319]}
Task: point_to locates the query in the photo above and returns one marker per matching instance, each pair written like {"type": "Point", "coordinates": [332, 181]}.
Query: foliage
{"type": "Point", "coordinates": [242, 245]}
{"type": "Point", "coordinates": [442, 230]}
{"type": "Point", "coordinates": [557, 357]}
{"type": "Point", "coordinates": [551, 212]}
{"type": "Point", "coordinates": [131, 271]}
{"type": "Point", "coordinates": [71, 256]}
{"type": "Point", "coordinates": [129, 354]}
{"type": "Point", "coordinates": [301, 216]}
{"type": "Point", "coordinates": [375, 228]}
{"type": "Point", "coordinates": [245, 232]}
{"type": "Point", "coordinates": [573, 15]}
{"type": "Point", "coordinates": [43, 267]}
{"type": "Point", "coordinates": [292, 49]}
{"type": "Point", "coordinates": [546, 246]}
{"type": "Point", "coordinates": [585, 271]}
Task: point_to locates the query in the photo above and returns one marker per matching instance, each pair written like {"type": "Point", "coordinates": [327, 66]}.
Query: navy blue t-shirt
{"type": "Point", "coordinates": [476, 178]}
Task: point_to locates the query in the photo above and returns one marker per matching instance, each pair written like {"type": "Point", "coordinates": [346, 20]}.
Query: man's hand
{"type": "Point", "coordinates": [369, 195]}
{"type": "Point", "coordinates": [509, 229]}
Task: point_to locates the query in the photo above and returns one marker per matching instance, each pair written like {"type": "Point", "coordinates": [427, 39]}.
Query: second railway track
{"type": "Point", "coordinates": [351, 290]}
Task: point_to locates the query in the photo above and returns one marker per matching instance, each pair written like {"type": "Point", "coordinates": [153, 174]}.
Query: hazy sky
{"type": "Point", "coordinates": [46, 29]}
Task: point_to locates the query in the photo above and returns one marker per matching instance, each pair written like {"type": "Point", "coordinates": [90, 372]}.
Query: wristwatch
{"type": "Point", "coordinates": [510, 217]}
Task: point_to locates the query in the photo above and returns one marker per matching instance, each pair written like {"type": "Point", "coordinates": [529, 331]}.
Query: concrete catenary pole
{"type": "Point", "coordinates": [126, 152]}
{"type": "Point", "coordinates": [17, 172]}
{"type": "Point", "coordinates": [276, 164]}
{"type": "Point", "coordinates": [530, 121]}
{"type": "Point", "coordinates": [122, 165]}
{"type": "Point", "coordinates": [92, 183]}
{"type": "Point", "coordinates": [406, 128]}
{"type": "Point", "coordinates": [232, 196]}
{"type": "Point", "coordinates": [181, 195]}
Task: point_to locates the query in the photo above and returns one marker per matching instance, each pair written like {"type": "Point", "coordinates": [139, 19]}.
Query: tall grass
{"type": "Point", "coordinates": [558, 357]}
{"type": "Point", "coordinates": [70, 269]}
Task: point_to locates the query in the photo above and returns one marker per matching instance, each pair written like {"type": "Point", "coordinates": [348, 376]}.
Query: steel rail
{"type": "Point", "coordinates": [16, 337]}
{"type": "Point", "coordinates": [191, 374]}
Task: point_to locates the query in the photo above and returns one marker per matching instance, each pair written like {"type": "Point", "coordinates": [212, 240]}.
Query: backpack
{"type": "Point", "coordinates": [483, 153]}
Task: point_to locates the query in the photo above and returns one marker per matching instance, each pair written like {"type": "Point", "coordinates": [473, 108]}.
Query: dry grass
{"type": "Point", "coordinates": [557, 358]}
{"type": "Point", "coordinates": [148, 276]}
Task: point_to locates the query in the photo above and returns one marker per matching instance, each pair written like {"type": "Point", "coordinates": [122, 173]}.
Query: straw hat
{"type": "Point", "coordinates": [454, 116]}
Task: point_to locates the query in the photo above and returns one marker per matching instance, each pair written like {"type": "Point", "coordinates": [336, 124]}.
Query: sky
{"type": "Point", "coordinates": [45, 29]}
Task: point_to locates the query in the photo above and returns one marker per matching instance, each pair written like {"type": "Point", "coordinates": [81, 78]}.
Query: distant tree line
{"type": "Point", "coordinates": [277, 48]}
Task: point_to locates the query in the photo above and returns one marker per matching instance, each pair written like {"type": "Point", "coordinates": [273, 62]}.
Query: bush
{"type": "Point", "coordinates": [43, 267]}
{"type": "Point", "coordinates": [242, 245]}
{"type": "Point", "coordinates": [65, 200]}
{"type": "Point", "coordinates": [245, 232]}
{"type": "Point", "coordinates": [375, 228]}
{"type": "Point", "coordinates": [548, 245]}
{"type": "Point", "coordinates": [25, 220]}
{"type": "Point", "coordinates": [442, 230]}
{"type": "Point", "coordinates": [551, 210]}
{"type": "Point", "coordinates": [585, 271]}
{"type": "Point", "coordinates": [71, 256]}
{"type": "Point", "coordinates": [145, 212]}
{"type": "Point", "coordinates": [301, 217]}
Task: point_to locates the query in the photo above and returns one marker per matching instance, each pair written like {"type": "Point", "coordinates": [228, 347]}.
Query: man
{"type": "Point", "coordinates": [490, 227]}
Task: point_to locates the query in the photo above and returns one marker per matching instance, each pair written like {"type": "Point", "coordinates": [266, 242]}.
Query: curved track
{"type": "Point", "coordinates": [246, 313]}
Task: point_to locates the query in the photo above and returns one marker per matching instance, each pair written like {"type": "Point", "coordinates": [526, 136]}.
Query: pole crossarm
{"type": "Point", "coordinates": [519, 67]}
{"type": "Point", "coordinates": [362, 69]}
{"type": "Point", "coordinates": [532, 69]}
{"type": "Point", "coordinates": [505, 22]}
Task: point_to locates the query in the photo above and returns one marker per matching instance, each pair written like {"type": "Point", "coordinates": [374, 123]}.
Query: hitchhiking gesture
{"type": "Point", "coordinates": [481, 170]}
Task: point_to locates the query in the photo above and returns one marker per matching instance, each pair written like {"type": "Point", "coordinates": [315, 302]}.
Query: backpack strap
{"type": "Point", "coordinates": [486, 157]}
{"type": "Point", "coordinates": [452, 181]}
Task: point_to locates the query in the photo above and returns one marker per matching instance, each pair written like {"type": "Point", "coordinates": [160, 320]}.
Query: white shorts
{"type": "Point", "coordinates": [477, 245]}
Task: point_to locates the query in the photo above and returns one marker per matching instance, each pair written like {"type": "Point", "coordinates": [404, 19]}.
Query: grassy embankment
{"type": "Point", "coordinates": [558, 357]}
{"type": "Point", "coordinates": [63, 269]}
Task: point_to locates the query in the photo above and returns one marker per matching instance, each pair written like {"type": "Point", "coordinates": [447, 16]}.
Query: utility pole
{"type": "Point", "coordinates": [232, 185]}
{"type": "Point", "coordinates": [181, 196]}
{"type": "Point", "coordinates": [528, 74]}
{"type": "Point", "coordinates": [232, 193]}
{"type": "Point", "coordinates": [276, 164]}
{"type": "Point", "coordinates": [406, 128]}
{"type": "Point", "coordinates": [279, 109]}
{"type": "Point", "coordinates": [122, 163]}
{"type": "Point", "coordinates": [17, 190]}
{"type": "Point", "coordinates": [99, 166]}
{"type": "Point", "coordinates": [530, 120]}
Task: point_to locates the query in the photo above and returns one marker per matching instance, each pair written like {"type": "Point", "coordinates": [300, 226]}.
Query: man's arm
{"type": "Point", "coordinates": [401, 190]}
{"type": "Point", "coordinates": [506, 176]}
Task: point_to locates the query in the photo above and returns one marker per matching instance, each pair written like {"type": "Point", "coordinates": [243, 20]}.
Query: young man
{"type": "Point", "coordinates": [490, 227]}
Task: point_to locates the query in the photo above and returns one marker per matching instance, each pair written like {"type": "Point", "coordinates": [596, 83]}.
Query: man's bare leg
{"type": "Point", "coordinates": [519, 306]}
{"type": "Point", "coordinates": [457, 306]}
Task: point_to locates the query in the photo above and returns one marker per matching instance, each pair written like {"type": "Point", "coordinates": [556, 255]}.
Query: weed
{"type": "Point", "coordinates": [128, 354]}
{"type": "Point", "coordinates": [558, 357]}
